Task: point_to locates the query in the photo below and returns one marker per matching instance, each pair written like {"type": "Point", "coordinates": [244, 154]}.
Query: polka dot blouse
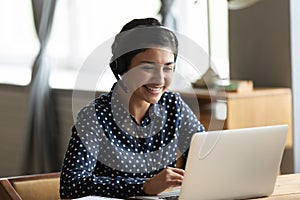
{"type": "Point", "coordinates": [110, 155]}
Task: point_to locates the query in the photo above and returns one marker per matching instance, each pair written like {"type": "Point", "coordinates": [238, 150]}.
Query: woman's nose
{"type": "Point", "coordinates": [158, 76]}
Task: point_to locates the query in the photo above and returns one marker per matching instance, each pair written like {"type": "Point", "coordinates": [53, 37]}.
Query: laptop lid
{"type": "Point", "coordinates": [231, 164]}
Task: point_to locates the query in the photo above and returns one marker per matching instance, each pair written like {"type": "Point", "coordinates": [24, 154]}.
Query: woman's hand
{"type": "Point", "coordinates": [168, 177]}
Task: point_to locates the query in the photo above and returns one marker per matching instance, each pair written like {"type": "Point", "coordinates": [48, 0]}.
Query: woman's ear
{"type": "Point", "coordinates": [114, 68]}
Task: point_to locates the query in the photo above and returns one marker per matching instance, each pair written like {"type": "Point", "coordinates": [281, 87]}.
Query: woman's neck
{"type": "Point", "coordinates": [138, 109]}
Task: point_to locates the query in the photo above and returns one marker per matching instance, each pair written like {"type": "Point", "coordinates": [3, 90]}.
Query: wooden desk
{"type": "Point", "coordinates": [230, 110]}
{"type": "Point", "coordinates": [287, 187]}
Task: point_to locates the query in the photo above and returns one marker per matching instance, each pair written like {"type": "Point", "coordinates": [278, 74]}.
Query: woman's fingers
{"type": "Point", "coordinates": [169, 177]}
{"type": "Point", "coordinates": [177, 170]}
{"type": "Point", "coordinates": [174, 176]}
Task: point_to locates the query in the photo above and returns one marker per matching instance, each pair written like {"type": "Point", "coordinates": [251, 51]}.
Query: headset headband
{"type": "Point", "coordinates": [144, 37]}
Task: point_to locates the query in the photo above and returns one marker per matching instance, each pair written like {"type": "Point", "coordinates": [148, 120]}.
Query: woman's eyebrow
{"type": "Point", "coordinates": [154, 63]}
{"type": "Point", "coordinates": [170, 63]}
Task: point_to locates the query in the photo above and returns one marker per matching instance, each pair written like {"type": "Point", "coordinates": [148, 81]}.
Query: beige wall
{"type": "Point", "coordinates": [260, 43]}
{"type": "Point", "coordinates": [13, 109]}
{"type": "Point", "coordinates": [260, 47]}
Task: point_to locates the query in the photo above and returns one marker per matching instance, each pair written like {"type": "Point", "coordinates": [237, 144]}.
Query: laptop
{"type": "Point", "coordinates": [231, 164]}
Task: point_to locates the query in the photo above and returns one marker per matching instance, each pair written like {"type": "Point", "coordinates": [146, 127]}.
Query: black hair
{"type": "Point", "coordinates": [137, 36]}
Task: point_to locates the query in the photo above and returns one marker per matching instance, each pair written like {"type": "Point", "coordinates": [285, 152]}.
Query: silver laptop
{"type": "Point", "coordinates": [231, 164]}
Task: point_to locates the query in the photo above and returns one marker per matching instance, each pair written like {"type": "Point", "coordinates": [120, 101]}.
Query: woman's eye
{"type": "Point", "coordinates": [147, 67]}
{"type": "Point", "coordinates": [168, 69]}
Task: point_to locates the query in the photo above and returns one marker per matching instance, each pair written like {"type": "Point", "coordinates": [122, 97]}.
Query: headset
{"type": "Point", "coordinates": [114, 68]}
{"type": "Point", "coordinates": [134, 41]}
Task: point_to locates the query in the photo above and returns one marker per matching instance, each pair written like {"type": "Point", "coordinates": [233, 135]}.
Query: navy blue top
{"type": "Point", "coordinates": [110, 155]}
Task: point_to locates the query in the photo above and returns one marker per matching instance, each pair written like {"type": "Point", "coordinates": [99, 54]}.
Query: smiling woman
{"type": "Point", "coordinates": [127, 142]}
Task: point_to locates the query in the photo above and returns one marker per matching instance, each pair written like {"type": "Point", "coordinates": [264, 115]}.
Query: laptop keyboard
{"type": "Point", "coordinates": [175, 197]}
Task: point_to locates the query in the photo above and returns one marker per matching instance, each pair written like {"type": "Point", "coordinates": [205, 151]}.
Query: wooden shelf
{"type": "Point", "coordinates": [230, 110]}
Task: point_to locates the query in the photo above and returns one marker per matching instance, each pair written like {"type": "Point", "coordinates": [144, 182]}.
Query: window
{"type": "Point", "coordinates": [81, 26]}
{"type": "Point", "coordinates": [18, 42]}
{"type": "Point", "coordinates": [192, 17]}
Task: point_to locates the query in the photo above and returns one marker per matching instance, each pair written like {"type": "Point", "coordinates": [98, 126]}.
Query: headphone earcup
{"type": "Point", "coordinates": [117, 66]}
{"type": "Point", "coordinates": [114, 67]}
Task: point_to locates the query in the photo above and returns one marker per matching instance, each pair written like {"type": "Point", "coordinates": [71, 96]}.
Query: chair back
{"type": "Point", "coordinates": [31, 187]}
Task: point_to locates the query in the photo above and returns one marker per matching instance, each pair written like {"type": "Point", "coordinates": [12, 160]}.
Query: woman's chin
{"type": "Point", "coordinates": [153, 98]}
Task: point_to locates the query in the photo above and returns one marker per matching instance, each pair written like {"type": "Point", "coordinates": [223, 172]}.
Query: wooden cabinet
{"type": "Point", "coordinates": [231, 110]}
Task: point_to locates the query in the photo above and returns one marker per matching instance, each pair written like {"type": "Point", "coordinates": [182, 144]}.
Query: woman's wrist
{"type": "Point", "coordinates": [147, 187]}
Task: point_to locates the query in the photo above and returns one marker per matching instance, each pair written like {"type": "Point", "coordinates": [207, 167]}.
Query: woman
{"type": "Point", "coordinates": [127, 142]}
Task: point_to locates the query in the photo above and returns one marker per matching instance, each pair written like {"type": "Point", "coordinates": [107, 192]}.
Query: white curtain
{"type": "Point", "coordinates": [167, 17]}
{"type": "Point", "coordinates": [42, 125]}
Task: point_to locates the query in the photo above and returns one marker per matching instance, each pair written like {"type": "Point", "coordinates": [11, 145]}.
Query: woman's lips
{"type": "Point", "coordinates": [153, 89]}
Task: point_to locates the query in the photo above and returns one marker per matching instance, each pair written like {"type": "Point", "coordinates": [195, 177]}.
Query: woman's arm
{"type": "Point", "coordinates": [78, 178]}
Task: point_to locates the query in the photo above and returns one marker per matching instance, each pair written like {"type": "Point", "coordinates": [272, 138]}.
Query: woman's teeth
{"type": "Point", "coordinates": [153, 88]}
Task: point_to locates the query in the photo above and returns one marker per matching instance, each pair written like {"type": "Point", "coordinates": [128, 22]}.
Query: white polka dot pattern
{"type": "Point", "coordinates": [110, 155]}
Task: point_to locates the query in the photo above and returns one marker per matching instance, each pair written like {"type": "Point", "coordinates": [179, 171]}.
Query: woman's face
{"type": "Point", "coordinates": [150, 74]}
